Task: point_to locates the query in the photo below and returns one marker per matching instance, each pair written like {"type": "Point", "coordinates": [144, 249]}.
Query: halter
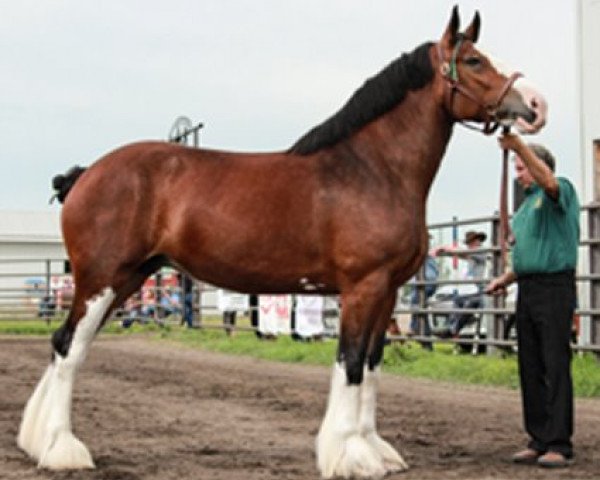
{"type": "Point", "coordinates": [449, 71]}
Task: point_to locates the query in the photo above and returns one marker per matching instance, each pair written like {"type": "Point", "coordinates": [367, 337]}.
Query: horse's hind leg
{"type": "Point", "coordinates": [45, 432]}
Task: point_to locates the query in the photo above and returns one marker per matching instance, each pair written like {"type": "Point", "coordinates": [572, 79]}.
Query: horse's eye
{"type": "Point", "coordinates": [473, 61]}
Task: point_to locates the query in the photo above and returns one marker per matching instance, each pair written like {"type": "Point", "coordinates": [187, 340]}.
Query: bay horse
{"type": "Point", "coordinates": [341, 212]}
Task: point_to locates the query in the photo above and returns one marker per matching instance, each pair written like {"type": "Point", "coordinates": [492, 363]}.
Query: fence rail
{"type": "Point", "coordinates": [42, 288]}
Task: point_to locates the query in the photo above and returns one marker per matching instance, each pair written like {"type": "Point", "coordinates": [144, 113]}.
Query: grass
{"type": "Point", "coordinates": [283, 349]}
{"type": "Point", "coordinates": [407, 359]}
{"type": "Point", "coordinates": [444, 364]}
{"type": "Point", "coordinates": [40, 327]}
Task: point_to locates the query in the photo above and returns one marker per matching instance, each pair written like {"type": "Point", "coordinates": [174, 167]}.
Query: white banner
{"type": "Point", "coordinates": [309, 315]}
{"type": "Point", "coordinates": [274, 314]}
{"type": "Point", "coordinates": [231, 301]}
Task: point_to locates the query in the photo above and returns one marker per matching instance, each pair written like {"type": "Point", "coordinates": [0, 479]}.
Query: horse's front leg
{"type": "Point", "coordinates": [347, 444]}
{"type": "Point", "coordinates": [392, 460]}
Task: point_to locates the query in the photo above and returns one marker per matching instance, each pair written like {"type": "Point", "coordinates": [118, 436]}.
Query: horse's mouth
{"type": "Point", "coordinates": [508, 116]}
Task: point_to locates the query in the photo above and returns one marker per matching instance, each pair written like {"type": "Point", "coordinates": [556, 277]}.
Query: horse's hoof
{"type": "Point", "coordinates": [66, 452]}
{"type": "Point", "coordinates": [392, 460]}
{"type": "Point", "coordinates": [353, 458]}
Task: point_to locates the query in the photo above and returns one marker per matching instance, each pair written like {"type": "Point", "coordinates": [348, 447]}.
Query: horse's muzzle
{"type": "Point", "coordinates": [512, 108]}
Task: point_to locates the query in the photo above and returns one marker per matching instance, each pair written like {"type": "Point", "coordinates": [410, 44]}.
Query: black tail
{"type": "Point", "coordinates": [62, 184]}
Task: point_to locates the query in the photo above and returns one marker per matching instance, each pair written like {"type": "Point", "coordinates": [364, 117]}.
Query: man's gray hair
{"type": "Point", "coordinates": [544, 154]}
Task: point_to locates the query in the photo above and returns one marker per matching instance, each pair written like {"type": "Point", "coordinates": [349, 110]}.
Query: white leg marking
{"type": "Point", "coordinates": [45, 432]}
{"type": "Point", "coordinates": [341, 450]}
{"type": "Point", "coordinates": [392, 461]}
{"type": "Point", "coordinates": [31, 430]}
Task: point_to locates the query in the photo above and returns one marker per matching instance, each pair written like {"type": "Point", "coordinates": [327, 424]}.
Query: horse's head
{"type": "Point", "coordinates": [478, 89]}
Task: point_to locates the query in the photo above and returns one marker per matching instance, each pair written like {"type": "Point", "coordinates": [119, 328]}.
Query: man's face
{"type": "Point", "coordinates": [474, 244]}
{"type": "Point", "coordinates": [522, 173]}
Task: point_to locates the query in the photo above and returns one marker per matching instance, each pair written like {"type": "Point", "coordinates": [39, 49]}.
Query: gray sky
{"type": "Point", "coordinates": [81, 77]}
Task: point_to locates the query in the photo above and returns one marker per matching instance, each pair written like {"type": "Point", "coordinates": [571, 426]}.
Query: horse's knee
{"type": "Point", "coordinates": [83, 322]}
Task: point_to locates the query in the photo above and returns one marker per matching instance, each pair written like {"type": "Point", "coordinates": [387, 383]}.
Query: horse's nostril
{"type": "Point", "coordinates": [532, 115]}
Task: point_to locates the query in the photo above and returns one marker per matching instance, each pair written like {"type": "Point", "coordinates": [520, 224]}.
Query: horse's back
{"type": "Point", "coordinates": [208, 210]}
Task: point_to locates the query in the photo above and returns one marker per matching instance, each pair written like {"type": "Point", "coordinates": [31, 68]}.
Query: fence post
{"type": "Point", "coordinates": [180, 132]}
{"type": "Point", "coordinates": [422, 304]}
{"type": "Point", "coordinates": [497, 323]}
{"type": "Point", "coordinates": [198, 304]}
{"type": "Point", "coordinates": [594, 263]}
{"type": "Point", "coordinates": [49, 294]}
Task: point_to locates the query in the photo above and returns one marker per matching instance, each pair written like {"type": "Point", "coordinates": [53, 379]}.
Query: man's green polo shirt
{"type": "Point", "coordinates": [546, 231]}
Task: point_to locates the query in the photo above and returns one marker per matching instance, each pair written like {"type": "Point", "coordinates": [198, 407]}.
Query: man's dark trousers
{"type": "Point", "coordinates": [545, 307]}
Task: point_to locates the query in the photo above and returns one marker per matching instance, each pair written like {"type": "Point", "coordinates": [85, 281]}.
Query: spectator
{"type": "Point", "coordinates": [148, 302]}
{"type": "Point", "coordinates": [188, 301]}
{"type": "Point", "coordinates": [47, 307]}
{"type": "Point", "coordinates": [546, 229]}
{"type": "Point", "coordinates": [170, 302]}
{"type": "Point", "coordinates": [476, 263]}
{"type": "Point", "coordinates": [430, 274]}
{"type": "Point", "coordinates": [229, 317]}
{"type": "Point", "coordinates": [132, 310]}
{"type": "Point", "coordinates": [188, 310]}
{"type": "Point", "coordinates": [253, 307]}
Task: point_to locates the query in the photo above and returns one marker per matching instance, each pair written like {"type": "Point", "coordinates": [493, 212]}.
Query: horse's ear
{"type": "Point", "coordinates": [451, 34]}
{"type": "Point", "coordinates": [472, 32]}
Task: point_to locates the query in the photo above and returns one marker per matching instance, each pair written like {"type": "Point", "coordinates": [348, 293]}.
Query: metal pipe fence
{"type": "Point", "coordinates": [43, 288]}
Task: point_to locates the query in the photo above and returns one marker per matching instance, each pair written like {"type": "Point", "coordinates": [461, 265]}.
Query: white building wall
{"type": "Point", "coordinates": [27, 241]}
{"type": "Point", "coordinates": [589, 80]}
{"type": "Point", "coordinates": [589, 127]}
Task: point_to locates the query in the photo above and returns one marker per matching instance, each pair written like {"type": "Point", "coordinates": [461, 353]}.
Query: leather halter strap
{"type": "Point", "coordinates": [506, 235]}
{"type": "Point", "coordinates": [449, 71]}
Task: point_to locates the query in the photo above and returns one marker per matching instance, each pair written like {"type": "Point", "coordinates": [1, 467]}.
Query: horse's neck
{"type": "Point", "coordinates": [410, 140]}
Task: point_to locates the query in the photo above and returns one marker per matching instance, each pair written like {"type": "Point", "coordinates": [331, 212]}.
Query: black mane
{"type": "Point", "coordinates": [377, 96]}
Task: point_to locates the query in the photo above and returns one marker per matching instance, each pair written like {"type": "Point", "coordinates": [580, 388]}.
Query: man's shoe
{"type": "Point", "coordinates": [554, 460]}
{"type": "Point", "coordinates": [529, 456]}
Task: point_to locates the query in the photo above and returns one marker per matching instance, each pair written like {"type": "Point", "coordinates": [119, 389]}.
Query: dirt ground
{"type": "Point", "coordinates": [151, 410]}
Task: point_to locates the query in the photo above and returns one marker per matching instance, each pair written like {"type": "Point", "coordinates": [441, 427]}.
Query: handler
{"type": "Point", "coordinates": [546, 229]}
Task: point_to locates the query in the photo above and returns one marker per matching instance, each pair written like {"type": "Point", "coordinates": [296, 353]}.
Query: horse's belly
{"type": "Point", "coordinates": [266, 272]}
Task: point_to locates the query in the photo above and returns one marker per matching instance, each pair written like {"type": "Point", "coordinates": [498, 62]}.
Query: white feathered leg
{"type": "Point", "coordinates": [35, 417]}
{"type": "Point", "coordinates": [392, 460]}
{"type": "Point", "coordinates": [45, 431]}
{"type": "Point", "coordinates": [341, 450]}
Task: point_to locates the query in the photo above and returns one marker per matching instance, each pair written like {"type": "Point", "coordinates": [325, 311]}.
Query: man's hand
{"type": "Point", "coordinates": [510, 141]}
{"type": "Point", "coordinates": [443, 250]}
{"type": "Point", "coordinates": [496, 287]}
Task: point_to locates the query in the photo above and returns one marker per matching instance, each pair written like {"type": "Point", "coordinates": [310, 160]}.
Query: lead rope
{"type": "Point", "coordinates": [506, 234]}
